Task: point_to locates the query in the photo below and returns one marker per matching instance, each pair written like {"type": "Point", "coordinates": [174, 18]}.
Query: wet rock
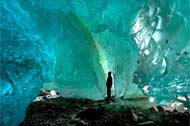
{"type": "Point", "coordinates": [147, 123]}
{"type": "Point", "coordinates": [44, 93]}
{"type": "Point", "coordinates": [91, 114]}
{"type": "Point", "coordinates": [153, 109]}
{"type": "Point", "coordinates": [160, 108]}
{"type": "Point", "coordinates": [83, 112]}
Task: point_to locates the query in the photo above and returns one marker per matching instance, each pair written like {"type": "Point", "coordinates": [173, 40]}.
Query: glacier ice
{"type": "Point", "coordinates": [82, 61]}
{"type": "Point", "coordinates": [25, 63]}
{"type": "Point", "coordinates": [69, 46]}
{"type": "Point", "coordinates": [162, 32]}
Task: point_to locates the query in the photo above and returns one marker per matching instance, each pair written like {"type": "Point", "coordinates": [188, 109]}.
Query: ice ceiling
{"type": "Point", "coordinates": [70, 45]}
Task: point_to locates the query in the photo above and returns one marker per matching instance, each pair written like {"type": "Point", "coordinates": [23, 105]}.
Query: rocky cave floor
{"type": "Point", "coordinates": [62, 111]}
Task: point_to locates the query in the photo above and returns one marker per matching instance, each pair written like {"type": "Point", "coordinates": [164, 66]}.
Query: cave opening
{"type": "Point", "coordinates": [69, 47]}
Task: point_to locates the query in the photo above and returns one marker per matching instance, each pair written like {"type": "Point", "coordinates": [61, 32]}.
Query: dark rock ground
{"type": "Point", "coordinates": [84, 112]}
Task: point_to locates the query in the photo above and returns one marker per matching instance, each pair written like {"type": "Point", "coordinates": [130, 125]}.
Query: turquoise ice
{"type": "Point", "coordinates": [70, 45]}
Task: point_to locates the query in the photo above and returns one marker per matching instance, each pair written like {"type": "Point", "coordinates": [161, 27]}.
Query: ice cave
{"type": "Point", "coordinates": [70, 45]}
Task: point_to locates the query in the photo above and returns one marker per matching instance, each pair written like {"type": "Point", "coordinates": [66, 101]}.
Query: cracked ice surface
{"type": "Point", "coordinates": [161, 30]}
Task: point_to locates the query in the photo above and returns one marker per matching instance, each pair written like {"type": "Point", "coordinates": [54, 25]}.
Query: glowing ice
{"type": "Point", "coordinates": [146, 45]}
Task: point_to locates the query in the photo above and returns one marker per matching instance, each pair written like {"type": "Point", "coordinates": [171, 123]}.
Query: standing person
{"type": "Point", "coordinates": [109, 85]}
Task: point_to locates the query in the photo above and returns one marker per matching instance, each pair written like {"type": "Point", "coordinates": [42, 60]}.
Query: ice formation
{"type": "Point", "coordinates": [162, 33]}
{"type": "Point", "coordinates": [25, 63]}
{"type": "Point", "coordinates": [71, 45]}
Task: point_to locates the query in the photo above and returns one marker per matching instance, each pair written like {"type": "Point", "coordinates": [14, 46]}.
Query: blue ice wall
{"type": "Point", "coordinates": [70, 45]}
{"type": "Point", "coordinates": [25, 62]}
{"type": "Point", "coordinates": [90, 38]}
{"type": "Point", "coordinates": [162, 32]}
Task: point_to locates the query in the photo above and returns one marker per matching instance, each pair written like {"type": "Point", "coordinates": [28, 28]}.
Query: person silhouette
{"type": "Point", "coordinates": [109, 85]}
